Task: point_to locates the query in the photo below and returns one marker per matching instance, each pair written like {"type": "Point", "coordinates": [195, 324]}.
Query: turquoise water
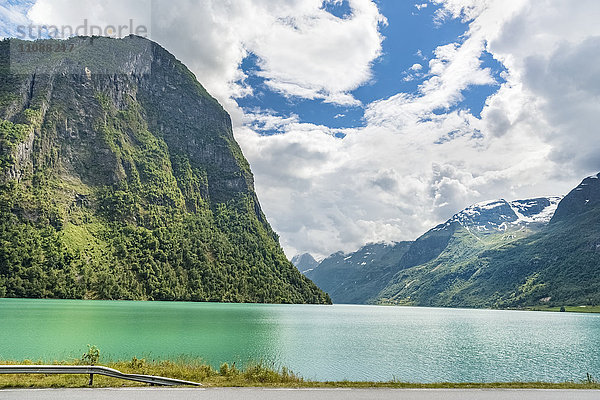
{"type": "Point", "coordinates": [318, 342]}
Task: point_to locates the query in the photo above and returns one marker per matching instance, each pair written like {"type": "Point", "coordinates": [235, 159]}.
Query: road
{"type": "Point", "coordinates": [296, 394]}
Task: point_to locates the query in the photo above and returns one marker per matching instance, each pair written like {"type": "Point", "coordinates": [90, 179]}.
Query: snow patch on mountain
{"type": "Point", "coordinates": [501, 215]}
{"type": "Point", "coordinates": [529, 212]}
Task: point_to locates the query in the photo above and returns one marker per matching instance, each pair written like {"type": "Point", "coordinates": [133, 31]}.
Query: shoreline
{"type": "Point", "coordinates": [569, 309]}
{"type": "Point", "coordinates": [253, 375]}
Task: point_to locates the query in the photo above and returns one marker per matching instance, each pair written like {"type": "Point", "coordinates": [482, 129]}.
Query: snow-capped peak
{"type": "Point", "coordinates": [501, 215]}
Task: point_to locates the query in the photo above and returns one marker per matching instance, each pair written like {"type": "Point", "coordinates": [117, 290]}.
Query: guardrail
{"type": "Point", "coordinates": [92, 370]}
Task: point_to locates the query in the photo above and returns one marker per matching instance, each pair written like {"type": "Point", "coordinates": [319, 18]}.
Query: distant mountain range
{"type": "Point", "coordinates": [542, 251]}
{"type": "Point", "coordinates": [355, 278]}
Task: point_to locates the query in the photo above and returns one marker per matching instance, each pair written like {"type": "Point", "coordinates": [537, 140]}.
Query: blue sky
{"type": "Point", "coordinates": [411, 35]}
{"type": "Point", "coordinates": [350, 141]}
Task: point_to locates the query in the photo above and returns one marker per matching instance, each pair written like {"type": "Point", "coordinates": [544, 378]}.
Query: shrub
{"type": "Point", "coordinates": [226, 370]}
{"type": "Point", "coordinates": [92, 356]}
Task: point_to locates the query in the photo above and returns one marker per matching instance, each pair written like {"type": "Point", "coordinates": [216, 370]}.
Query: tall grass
{"type": "Point", "coordinates": [194, 370]}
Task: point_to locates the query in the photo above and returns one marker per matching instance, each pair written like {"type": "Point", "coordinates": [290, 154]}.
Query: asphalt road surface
{"type": "Point", "coordinates": [296, 394]}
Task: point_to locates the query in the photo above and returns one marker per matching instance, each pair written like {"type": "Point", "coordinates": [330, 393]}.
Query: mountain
{"type": "Point", "coordinates": [355, 278]}
{"type": "Point", "coordinates": [304, 262]}
{"type": "Point", "coordinates": [582, 199]}
{"type": "Point", "coordinates": [557, 265]}
{"type": "Point", "coordinates": [478, 228]}
{"type": "Point", "coordinates": [120, 178]}
{"type": "Point", "coordinates": [388, 273]}
{"type": "Point", "coordinates": [502, 216]}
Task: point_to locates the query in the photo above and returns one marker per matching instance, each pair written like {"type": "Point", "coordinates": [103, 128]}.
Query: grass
{"type": "Point", "coordinates": [255, 375]}
{"type": "Point", "coordinates": [578, 309]}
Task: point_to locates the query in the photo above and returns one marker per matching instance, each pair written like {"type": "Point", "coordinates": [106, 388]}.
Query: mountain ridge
{"type": "Point", "coordinates": [519, 212]}
{"type": "Point", "coordinates": [349, 278]}
{"type": "Point", "coordinates": [586, 195]}
{"type": "Point", "coordinates": [468, 233]}
{"type": "Point", "coordinates": [556, 266]}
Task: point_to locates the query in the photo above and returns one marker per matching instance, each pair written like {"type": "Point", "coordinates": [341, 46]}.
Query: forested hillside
{"type": "Point", "coordinates": [120, 178]}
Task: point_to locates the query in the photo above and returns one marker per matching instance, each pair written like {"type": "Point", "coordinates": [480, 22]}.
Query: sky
{"type": "Point", "coordinates": [367, 121]}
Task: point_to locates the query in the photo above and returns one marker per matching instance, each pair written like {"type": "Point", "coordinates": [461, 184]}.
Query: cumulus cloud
{"type": "Point", "coordinates": [302, 50]}
{"type": "Point", "coordinates": [419, 159]}
{"type": "Point", "coordinates": [317, 53]}
{"type": "Point", "coordinates": [552, 88]}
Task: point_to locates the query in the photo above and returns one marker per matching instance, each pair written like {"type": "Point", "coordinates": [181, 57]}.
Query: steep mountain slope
{"type": "Point", "coordinates": [120, 178]}
{"type": "Point", "coordinates": [558, 265]}
{"type": "Point", "coordinates": [582, 199]}
{"type": "Point", "coordinates": [355, 278]}
{"type": "Point", "coordinates": [478, 227]}
{"type": "Point", "coordinates": [389, 273]}
{"type": "Point", "coordinates": [304, 262]}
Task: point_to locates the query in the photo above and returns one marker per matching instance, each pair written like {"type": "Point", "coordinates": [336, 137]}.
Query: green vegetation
{"type": "Point", "coordinates": [425, 272]}
{"type": "Point", "coordinates": [556, 268]}
{"type": "Point", "coordinates": [13, 133]}
{"type": "Point", "coordinates": [351, 280]}
{"type": "Point", "coordinates": [91, 356]}
{"type": "Point", "coordinates": [547, 270]}
{"type": "Point", "coordinates": [254, 375]}
{"type": "Point", "coordinates": [133, 188]}
{"type": "Point", "coordinates": [577, 309]}
{"type": "Point", "coordinates": [10, 136]}
{"type": "Point", "coordinates": [446, 279]}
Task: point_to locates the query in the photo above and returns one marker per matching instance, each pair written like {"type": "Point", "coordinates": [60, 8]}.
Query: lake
{"type": "Point", "coordinates": [318, 342]}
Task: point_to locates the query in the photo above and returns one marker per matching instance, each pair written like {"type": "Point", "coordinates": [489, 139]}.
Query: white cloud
{"type": "Point", "coordinates": [323, 56]}
{"type": "Point", "coordinates": [413, 73]}
{"type": "Point", "coordinates": [302, 50]}
{"type": "Point", "coordinates": [466, 10]}
{"type": "Point", "coordinates": [11, 16]}
{"type": "Point", "coordinates": [554, 77]}
{"type": "Point", "coordinates": [413, 166]}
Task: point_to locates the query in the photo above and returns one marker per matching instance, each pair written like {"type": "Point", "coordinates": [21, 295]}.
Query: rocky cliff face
{"type": "Point", "coordinates": [114, 152]}
{"type": "Point", "coordinates": [74, 94]}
